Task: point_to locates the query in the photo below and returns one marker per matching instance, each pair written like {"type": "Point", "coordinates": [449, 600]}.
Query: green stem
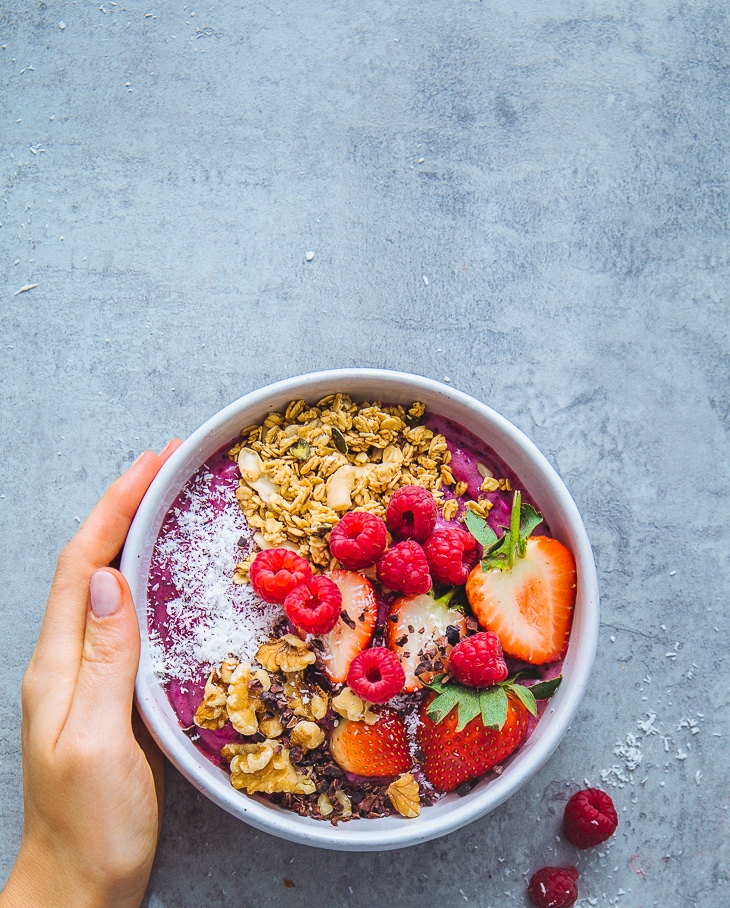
{"type": "Point", "coordinates": [447, 596]}
{"type": "Point", "coordinates": [514, 528]}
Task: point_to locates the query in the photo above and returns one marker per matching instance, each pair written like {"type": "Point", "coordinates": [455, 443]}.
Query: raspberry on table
{"type": "Point", "coordinates": [315, 605]}
{"type": "Point", "coordinates": [589, 818]}
{"type": "Point", "coordinates": [376, 674]}
{"type": "Point", "coordinates": [451, 554]}
{"type": "Point", "coordinates": [358, 539]}
{"type": "Point", "coordinates": [554, 887]}
{"type": "Point", "coordinates": [275, 572]}
{"type": "Point", "coordinates": [478, 661]}
{"type": "Point", "coordinates": [404, 568]}
{"type": "Point", "coordinates": [412, 513]}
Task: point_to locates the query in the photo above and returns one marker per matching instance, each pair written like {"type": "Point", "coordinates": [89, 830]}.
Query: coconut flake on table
{"type": "Point", "coordinates": [208, 617]}
{"type": "Point", "coordinates": [631, 752]}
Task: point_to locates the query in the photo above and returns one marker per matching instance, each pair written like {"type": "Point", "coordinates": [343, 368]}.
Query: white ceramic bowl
{"type": "Point", "coordinates": [546, 489]}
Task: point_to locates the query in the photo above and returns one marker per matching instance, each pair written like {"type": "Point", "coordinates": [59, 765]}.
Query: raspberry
{"type": "Point", "coordinates": [451, 554]}
{"type": "Point", "coordinates": [590, 818]}
{"type": "Point", "coordinates": [315, 605]}
{"type": "Point", "coordinates": [411, 513]}
{"type": "Point", "coordinates": [376, 674]}
{"type": "Point", "coordinates": [404, 568]}
{"type": "Point", "coordinates": [275, 572]}
{"type": "Point", "coordinates": [554, 887]}
{"type": "Point", "coordinates": [477, 661]}
{"type": "Point", "coordinates": [358, 540]}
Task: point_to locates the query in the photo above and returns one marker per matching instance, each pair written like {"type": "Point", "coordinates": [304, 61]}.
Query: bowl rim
{"type": "Point", "coordinates": [451, 812]}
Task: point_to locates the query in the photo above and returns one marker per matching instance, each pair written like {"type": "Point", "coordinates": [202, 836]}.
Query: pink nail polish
{"type": "Point", "coordinates": [106, 596]}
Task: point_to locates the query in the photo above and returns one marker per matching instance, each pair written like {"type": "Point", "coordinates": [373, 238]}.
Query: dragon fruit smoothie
{"type": "Point", "coordinates": [201, 616]}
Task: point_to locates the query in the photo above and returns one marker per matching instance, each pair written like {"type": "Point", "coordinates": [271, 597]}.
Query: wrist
{"type": "Point", "coordinates": [38, 878]}
{"type": "Point", "coordinates": [44, 879]}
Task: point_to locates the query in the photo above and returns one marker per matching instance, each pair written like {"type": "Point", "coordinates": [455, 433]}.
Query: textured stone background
{"type": "Point", "coordinates": [558, 173]}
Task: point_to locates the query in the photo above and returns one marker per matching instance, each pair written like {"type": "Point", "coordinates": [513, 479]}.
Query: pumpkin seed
{"type": "Point", "coordinates": [300, 449]}
{"type": "Point", "coordinates": [339, 440]}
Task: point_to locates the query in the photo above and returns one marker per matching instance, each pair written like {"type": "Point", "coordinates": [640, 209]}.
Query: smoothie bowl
{"type": "Point", "coordinates": [368, 609]}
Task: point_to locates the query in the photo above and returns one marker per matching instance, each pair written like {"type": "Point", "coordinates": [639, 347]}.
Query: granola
{"type": "Point", "coordinates": [303, 468]}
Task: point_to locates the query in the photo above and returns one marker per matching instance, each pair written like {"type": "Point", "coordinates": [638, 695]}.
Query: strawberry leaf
{"type": "Point", "coordinates": [438, 684]}
{"type": "Point", "coordinates": [493, 703]}
{"type": "Point", "coordinates": [529, 520]}
{"type": "Point", "coordinates": [480, 529]}
{"type": "Point", "coordinates": [469, 707]}
{"type": "Point", "coordinates": [467, 700]}
{"type": "Point", "coordinates": [544, 689]}
{"type": "Point", "coordinates": [512, 544]}
{"type": "Point", "coordinates": [490, 703]}
{"type": "Point", "coordinates": [525, 695]}
{"type": "Point", "coordinates": [439, 708]}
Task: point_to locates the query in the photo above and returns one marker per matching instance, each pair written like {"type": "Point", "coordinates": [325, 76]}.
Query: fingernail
{"type": "Point", "coordinates": [134, 464]}
{"type": "Point", "coordinates": [106, 597]}
{"type": "Point", "coordinates": [168, 446]}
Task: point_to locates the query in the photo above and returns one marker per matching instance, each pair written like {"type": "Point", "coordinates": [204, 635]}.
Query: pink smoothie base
{"type": "Point", "coordinates": [541, 483]}
{"type": "Point", "coordinates": [219, 476]}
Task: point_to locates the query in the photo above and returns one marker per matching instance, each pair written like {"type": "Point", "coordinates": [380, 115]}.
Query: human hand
{"type": "Point", "coordinates": [92, 784]}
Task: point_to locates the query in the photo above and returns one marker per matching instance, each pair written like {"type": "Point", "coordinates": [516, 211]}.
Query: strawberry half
{"type": "Point", "coordinates": [355, 626]}
{"type": "Point", "coordinates": [464, 733]}
{"type": "Point", "coordinates": [414, 625]}
{"type": "Point", "coordinates": [379, 749]}
{"type": "Point", "coordinates": [524, 589]}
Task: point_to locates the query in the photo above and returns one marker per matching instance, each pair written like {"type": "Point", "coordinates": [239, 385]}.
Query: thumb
{"type": "Point", "coordinates": [105, 683]}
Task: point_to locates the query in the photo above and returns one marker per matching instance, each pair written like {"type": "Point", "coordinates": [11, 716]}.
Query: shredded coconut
{"type": "Point", "coordinates": [208, 617]}
{"type": "Point", "coordinates": [631, 751]}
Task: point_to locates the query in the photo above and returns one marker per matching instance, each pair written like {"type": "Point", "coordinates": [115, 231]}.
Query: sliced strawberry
{"type": "Point", "coordinates": [414, 625]}
{"type": "Point", "coordinates": [524, 590]}
{"type": "Point", "coordinates": [379, 749]}
{"type": "Point", "coordinates": [355, 627]}
{"type": "Point", "coordinates": [458, 749]}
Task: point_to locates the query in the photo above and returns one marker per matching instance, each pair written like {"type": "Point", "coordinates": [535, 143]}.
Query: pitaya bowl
{"type": "Point", "coordinates": [539, 482]}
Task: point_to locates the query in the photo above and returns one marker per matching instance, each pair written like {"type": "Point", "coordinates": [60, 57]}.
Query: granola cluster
{"type": "Point", "coordinates": [285, 718]}
{"type": "Point", "coordinates": [303, 468]}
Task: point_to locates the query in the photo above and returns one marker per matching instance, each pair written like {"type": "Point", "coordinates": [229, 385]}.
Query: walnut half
{"type": "Point", "coordinates": [287, 654]}
{"type": "Point", "coordinates": [307, 735]}
{"type": "Point", "coordinates": [212, 711]}
{"type": "Point", "coordinates": [350, 706]}
{"type": "Point", "coordinates": [244, 703]}
{"type": "Point", "coordinates": [267, 768]}
{"type": "Point", "coordinates": [404, 796]}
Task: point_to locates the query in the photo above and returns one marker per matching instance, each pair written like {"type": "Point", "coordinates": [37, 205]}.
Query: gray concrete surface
{"type": "Point", "coordinates": [529, 200]}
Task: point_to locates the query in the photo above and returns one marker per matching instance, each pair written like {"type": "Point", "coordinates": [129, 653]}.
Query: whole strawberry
{"type": "Point", "coordinates": [464, 732]}
{"type": "Point", "coordinates": [376, 749]}
{"type": "Point", "coordinates": [554, 887]}
{"type": "Point", "coordinates": [457, 751]}
{"type": "Point", "coordinates": [590, 818]}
